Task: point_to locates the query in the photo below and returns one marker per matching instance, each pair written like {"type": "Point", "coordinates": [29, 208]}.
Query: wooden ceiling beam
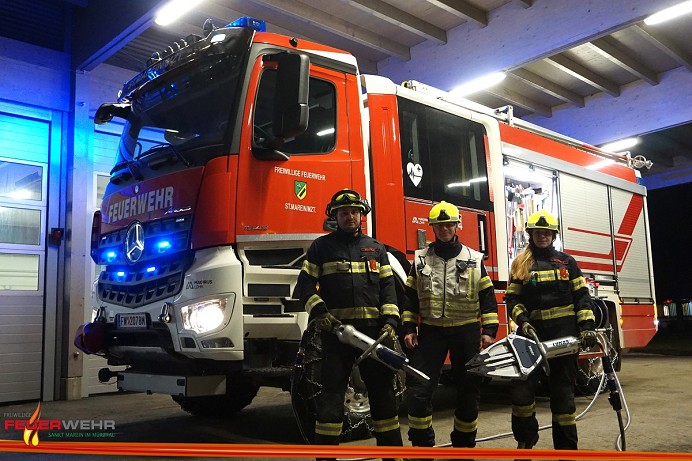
{"type": "Point", "coordinates": [462, 9]}
{"type": "Point", "coordinates": [548, 87]}
{"type": "Point", "coordinates": [582, 73]}
{"type": "Point", "coordinates": [402, 19]}
{"type": "Point", "coordinates": [338, 26]}
{"type": "Point", "coordinates": [664, 44]}
{"type": "Point", "coordinates": [608, 48]}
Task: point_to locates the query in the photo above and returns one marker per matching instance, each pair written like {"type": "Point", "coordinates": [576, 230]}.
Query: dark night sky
{"type": "Point", "coordinates": [670, 220]}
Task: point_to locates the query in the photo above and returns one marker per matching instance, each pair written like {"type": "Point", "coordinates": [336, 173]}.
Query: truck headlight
{"type": "Point", "coordinates": [203, 316]}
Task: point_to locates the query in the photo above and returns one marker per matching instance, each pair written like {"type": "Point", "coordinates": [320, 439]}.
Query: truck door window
{"type": "Point", "coordinates": [443, 156]}
{"type": "Point", "coordinates": [318, 138]}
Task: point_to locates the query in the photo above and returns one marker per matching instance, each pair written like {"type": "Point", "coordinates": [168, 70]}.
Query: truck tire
{"type": "Point", "coordinates": [240, 390]}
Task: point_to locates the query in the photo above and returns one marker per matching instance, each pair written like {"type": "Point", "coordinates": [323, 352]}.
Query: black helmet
{"type": "Point", "coordinates": [344, 198]}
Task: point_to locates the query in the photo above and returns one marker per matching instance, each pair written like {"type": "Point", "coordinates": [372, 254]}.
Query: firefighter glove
{"type": "Point", "coordinates": [389, 329]}
{"type": "Point", "coordinates": [326, 322]}
{"type": "Point", "coordinates": [588, 338]}
{"type": "Point", "coordinates": [391, 325]}
{"type": "Point", "coordinates": [528, 330]}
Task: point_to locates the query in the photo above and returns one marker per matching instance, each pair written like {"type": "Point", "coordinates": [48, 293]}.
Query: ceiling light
{"type": "Point", "coordinates": [619, 146]}
{"type": "Point", "coordinates": [669, 13]}
{"type": "Point", "coordinates": [478, 84]}
{"type": "Point", "coordinates": [173, 10]}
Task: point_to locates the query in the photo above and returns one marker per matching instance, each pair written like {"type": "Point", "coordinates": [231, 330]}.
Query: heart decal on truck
{"type": "Point", "coordinates": [415, 172]}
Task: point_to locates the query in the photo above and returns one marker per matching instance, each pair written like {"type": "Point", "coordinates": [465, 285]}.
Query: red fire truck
{"type": "Point", "coordinates": [232, 146]}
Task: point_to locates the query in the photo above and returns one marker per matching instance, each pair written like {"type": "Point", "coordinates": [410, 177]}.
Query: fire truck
{"type": "Point", "coordinates": [234, 142]}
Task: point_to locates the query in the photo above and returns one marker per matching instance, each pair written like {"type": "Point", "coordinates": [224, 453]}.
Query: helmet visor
{"type": "Point", "coordinates": [347, 198]}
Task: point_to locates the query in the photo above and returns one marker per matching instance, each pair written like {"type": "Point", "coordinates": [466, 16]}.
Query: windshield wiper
{"type": "Point", "coordinates": [153, 151]}
{"type": "Point", "coordinates": [127, 171]}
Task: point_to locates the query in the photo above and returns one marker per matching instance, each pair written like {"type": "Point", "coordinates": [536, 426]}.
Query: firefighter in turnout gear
{"type": "Point", "coordinates": [449, 289]}
{"type": "Point", "coordinates": [347, 278]}
{"type": "Point", "coordinates": [547, 296]}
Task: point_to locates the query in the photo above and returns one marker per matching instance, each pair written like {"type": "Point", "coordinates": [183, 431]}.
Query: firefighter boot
{"type": "Point", "coordinates": [527, 445]}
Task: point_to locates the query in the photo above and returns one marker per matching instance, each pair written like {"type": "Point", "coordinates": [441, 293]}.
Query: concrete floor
{"type": "Point", "coordinates": [656, 390]}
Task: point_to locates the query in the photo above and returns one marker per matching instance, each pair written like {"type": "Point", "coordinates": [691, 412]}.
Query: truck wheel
{"type": "Point", "coordinates": [240, 391]}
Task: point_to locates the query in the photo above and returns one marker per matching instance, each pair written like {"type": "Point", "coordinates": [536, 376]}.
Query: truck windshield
{"type": "Point", "coordinates": [186, 111]}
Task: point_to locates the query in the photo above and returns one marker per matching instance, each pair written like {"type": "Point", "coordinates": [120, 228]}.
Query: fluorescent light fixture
{"type": "Point", "coordinates": [478, 84]}
{"type": "Point", "coordinates": [669, 13]}
{"type": "Point", "coordinates": [621, 145]}
{"type": "Point", "coordinates": [173, 10]}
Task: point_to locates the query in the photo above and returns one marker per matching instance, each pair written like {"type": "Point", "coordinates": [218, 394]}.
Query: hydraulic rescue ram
{"type": "Point", "coordinates": [373, 348]}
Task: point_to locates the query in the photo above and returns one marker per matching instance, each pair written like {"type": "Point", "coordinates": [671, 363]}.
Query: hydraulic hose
{"type": "Point", "coordinates": [616, 399]}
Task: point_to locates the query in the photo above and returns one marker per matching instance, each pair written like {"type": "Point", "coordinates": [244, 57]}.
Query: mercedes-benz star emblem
{"type": "Point", "coordinates": [134, 242]}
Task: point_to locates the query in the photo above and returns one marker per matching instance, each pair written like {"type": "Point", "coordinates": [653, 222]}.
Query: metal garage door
{"type": "Point", "coordinates": [24, 159]}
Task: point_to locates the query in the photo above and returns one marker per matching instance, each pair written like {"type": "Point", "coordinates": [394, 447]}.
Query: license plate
{"type": "Point", "coordinates": [131, 320]}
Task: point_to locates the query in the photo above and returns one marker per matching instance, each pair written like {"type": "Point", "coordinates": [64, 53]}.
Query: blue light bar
{"type": "Point", "coordinates": [110, 256]}
{"type": "Point", "coordinates": [252, 23]}
{"type": "Point", "coordinates": [120, 274]}
{"type": "Point", "coordinates": [151, 269]}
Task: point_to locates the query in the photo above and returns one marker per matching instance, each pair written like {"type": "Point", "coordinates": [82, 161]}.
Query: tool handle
{"type": "Point", "coordinates": [559, 347]}
{"type": "Point", "coordinates": [373, 347]}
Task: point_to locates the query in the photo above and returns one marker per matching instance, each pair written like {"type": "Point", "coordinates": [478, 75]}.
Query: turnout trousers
{"type": "Point", "coordinates": [434, 342]}
{"type": "Point", "coordinates": [561, 382]}
{"type": "Point", "coordinates": [338, 360]}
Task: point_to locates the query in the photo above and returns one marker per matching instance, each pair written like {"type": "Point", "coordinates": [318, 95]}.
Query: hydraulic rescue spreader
{"type": "Point", "coordinates": [517, 357]}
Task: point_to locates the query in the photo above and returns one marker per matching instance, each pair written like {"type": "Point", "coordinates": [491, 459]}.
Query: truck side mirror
{"type": "Point", "coordinates": [291, 97]}
{"type": "Point", "coordinates": [107, 111]}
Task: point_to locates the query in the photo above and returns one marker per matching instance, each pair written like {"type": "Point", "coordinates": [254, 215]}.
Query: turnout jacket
{"type": "Point", "coordinates": [348, 276]}
{"type": "Point", "coordinates": [555, 299]}
{"type": "Point", "coordinates": [450, 290]}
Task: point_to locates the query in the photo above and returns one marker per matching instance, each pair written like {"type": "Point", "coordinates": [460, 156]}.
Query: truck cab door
{"type": "Point", "coordinates": [284, 182]}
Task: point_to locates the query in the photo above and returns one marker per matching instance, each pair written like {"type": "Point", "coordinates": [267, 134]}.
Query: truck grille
{"type": "Point", "coordinates": [159, 272]}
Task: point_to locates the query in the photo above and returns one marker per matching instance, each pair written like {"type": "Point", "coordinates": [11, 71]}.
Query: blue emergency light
{"type": "Point", "coordinates": [252, 23]}
{"type": "Point", "coordinates": [163, 245]}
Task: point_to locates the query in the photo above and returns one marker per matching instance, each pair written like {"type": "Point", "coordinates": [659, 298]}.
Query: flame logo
{"type": "Point", "coordinates": [31, 435]}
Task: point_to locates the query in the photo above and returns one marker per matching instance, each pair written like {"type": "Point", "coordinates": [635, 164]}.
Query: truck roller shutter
{"type": "Point", "coordinates": [586, 224]}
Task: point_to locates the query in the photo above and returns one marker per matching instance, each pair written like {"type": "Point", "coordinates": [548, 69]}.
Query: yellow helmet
{"type": "Point", "coordinates": [443, 212]}
{"type": "Point", "coordinates": [542, 220]}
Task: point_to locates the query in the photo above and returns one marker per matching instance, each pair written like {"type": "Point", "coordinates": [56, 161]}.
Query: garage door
{"type": "Point", "coordinates": [24, 158]}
